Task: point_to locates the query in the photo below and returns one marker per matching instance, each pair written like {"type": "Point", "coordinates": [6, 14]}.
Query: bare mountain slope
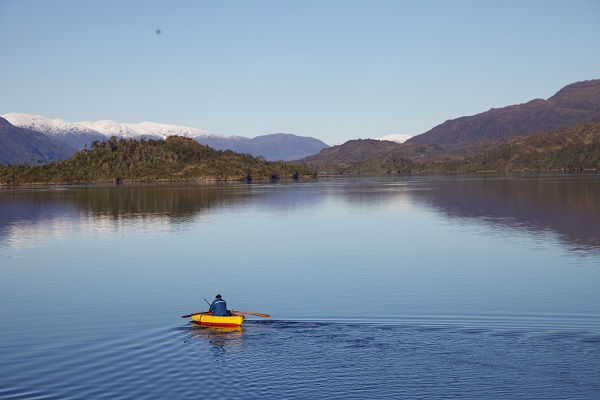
{"type": "Point", "coordinates": [573, 104]}
{"type": "Point", "coordinates": [19, 145]}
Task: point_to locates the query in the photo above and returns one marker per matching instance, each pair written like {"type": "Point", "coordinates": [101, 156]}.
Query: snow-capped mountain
{"type": "Point", "coordinates": [75, 135]}
{"type": "Point", "coordinates": [148, 130]}
{"type": "Point", "coordinates": [107, 128]}
{"type": "Point", "coordinates": [20, 145]}
{"type": "Point", "coordinates": [53, 127]}
{"type": "Point", "coordinates": [80, 134]}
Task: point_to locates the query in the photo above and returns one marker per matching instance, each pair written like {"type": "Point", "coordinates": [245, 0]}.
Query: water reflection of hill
{"type": "Point", "coordinates": [566, 204]}
{"type": "Point", "coordinates": [26, 208]}
{"type": "Point", "coordinates": [176, 203]}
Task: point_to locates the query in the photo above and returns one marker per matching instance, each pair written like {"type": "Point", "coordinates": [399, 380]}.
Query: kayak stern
{"type": "Point", "coordinates": [213, 320]}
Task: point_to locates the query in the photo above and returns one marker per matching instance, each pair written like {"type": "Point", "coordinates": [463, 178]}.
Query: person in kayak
{"type": "Point", "coordinates": [219, 307]}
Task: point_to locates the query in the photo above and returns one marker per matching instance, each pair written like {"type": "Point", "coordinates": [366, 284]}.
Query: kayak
{"type": "Point", "coordinates": [214, 320]}
{"type": "Point", "coordinates": [234, 319]}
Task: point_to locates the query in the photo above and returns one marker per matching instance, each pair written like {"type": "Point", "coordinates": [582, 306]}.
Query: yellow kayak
{"type": "Point", "coordinates": [208, 319]}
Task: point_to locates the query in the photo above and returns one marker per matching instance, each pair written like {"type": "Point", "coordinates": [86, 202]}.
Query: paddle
{"type": "Point", "coordinates": [251, 313]}
{"type": "Point", "coordinates": [189, 315]}
{"type": "Point", "coordinates": [195, 313]}
{"type": "Point", "coordinates": [232, 311]}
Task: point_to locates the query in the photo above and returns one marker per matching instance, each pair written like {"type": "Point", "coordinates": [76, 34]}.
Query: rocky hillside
{"type": "Point", "coordinates": [575, 103]}
{"type": "Point", "coordinates": [469, 137]}
{"type": "Point", "coordinates": [573, 148]}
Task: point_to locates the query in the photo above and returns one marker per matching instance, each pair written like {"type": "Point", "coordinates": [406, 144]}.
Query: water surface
{"type": "Point", "coordinates": [472, 286]}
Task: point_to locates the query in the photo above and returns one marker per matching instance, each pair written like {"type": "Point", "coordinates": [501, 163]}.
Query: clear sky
{"type": "Point", "coordinates": [334, 70]}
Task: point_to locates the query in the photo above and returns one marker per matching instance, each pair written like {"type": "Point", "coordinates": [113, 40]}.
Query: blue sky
{"type": "Point", "coordinates": [334, 70]}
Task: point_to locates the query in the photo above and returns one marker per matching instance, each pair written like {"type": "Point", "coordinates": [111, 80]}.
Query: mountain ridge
{"type": "Point", "coordinates": [20, 145]}
{"type": "Point", "coordinates": [575, 103]}
{"type": "Point", "coordinates": [574, 148]}
{"type": "Point", "coordinates": [81, 134]}
{"type": "Point", "coordinates": [107, 128]}
{"type": "Point", "coordinates": [458, 138]}
{"type": "Point", "coordinates": [470, 136]}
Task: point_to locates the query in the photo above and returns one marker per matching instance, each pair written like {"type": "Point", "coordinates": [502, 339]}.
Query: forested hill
{"type": "Point", "coordinates": [174, 159]}
{"type": "Point", "coordinates": [573, 148]}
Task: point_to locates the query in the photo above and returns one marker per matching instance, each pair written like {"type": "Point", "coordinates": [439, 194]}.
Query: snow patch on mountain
{"type": "Point", "coordinates": [52, 127]}
{"type": "Point", "coordinates": [397, 137]}
{"type": "Point", "coordinates": [148, 129]}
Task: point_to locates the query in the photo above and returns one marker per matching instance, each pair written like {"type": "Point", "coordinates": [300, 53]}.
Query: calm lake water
{"type": "Point", "coordinates": [421, 287]}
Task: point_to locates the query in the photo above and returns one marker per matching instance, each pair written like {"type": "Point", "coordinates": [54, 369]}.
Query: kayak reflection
{"type": "Point", "coordinates": [220, 337]}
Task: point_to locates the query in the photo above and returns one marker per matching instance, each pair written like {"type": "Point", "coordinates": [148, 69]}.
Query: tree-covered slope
{"type": "Point", "coordinates": [176, 158]}
{"type": "Point", "coordinates": [573, 148]}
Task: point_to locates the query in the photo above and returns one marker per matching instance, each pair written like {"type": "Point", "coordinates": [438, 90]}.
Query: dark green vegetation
{"type": "Point", "coordinates": [174, 159]}
{"type": "Point", "coordinates": [574, 148]}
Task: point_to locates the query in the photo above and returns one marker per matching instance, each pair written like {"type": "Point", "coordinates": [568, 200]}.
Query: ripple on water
{"type": "Point", "coordinates": [296, 360]}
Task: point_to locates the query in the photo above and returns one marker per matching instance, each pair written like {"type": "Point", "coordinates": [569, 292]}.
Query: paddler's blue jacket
{"type": "Point", "coordinates": [219, 307]}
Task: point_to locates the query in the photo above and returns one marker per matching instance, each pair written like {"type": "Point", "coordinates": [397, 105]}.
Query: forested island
{"type": "Point", "coordinates": [174, 159]}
